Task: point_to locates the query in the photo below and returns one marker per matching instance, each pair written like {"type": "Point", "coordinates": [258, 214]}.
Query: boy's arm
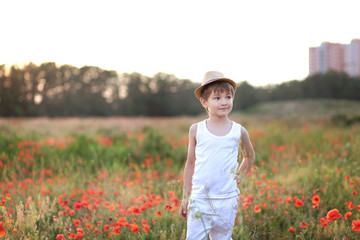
{"type": "Point", "coordinates": [188, 171]}
{"type": "Point", "coordinates": [248, 156]}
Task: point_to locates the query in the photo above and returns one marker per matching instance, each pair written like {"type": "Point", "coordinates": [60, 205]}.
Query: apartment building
{"type": "Point", "coordinates": [335, 56]}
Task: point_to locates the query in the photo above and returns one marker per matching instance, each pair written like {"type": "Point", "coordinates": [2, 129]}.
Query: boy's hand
{"type": "Point", "coordinates": [183, 208]}
{"type": "Point", "coordinates": [237, 178]}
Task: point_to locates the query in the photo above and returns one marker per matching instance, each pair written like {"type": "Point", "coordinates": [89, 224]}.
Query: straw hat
{"type": "Point", "coordinates": [210, 77]}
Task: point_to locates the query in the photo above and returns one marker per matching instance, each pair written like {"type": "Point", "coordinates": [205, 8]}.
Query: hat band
{"type": "Point", "coordinates": [208, 81]}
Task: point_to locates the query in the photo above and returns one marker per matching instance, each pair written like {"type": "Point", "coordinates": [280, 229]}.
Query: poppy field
{"type": "Point", "coordinates": [123, 179]}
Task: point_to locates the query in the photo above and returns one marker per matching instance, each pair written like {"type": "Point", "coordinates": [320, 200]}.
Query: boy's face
{"type": "Point", "coordinates": [219, 103]}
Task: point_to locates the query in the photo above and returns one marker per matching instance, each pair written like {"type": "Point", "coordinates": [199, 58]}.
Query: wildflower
{"type": "Point", "coordinates": [298, 203]}
{"type": "Point", "coordinates": [79, 236]}
{"type": "Point", "coordinates": [350, 205]}
{"type": "Point", "coordinates": [291, 229]}
{"type": "Point", "coordinates": [315, 199]}
{"type": "Point", "coordinates": [356, 225]}
{"type": "Point", "coordinates": [106, 227]}
{"type": "Point", "coordinates": [288, 200]}
{"type": "Point", "coordinates": [96, 230]}
{"type": "Point", "coordinates": [78, 205]}
{"type": "Point", "coordinates": [303, 225]}
{"type": "Point", "coordinates": [158, 214]}
{"type": "Point", "coordinates": [135, 210]}
{"type": "Point", "coordinates": [146, 228]}
{"type": "Point", "coordinates": [76, 222]}
{"type": "Point", "coordinates": [116, 231]}
{"type": "Point", "coordinates": [168, 207]}
{"type": "Point", "coordinates": [175, 200]}
{"type": "Point", "coordinates": [2, 230]}
{"type": "Point", "coordinates": [257, 209]}
{"type": "Point", "coordinates": [72, 235]}
{"type": "Point", "coordinates": [347, 215]}
{"type": "Point", "coordinates": [134, 228]}
{"type": "Point", "coordinates": [89, 226]}
{"type": "Point", "coordinates": [323, 222]}
{"type": "Point", "coordinates": [60, 236]}
{"type": "Point", "coordinates": [332, 215]}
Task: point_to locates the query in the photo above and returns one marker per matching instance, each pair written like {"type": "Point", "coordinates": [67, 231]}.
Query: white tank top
{"type": "Point", "coordinates": [216, 163]}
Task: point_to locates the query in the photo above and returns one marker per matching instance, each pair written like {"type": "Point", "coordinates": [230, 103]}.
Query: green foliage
{"type": "Point", "coordinates": [344, 120]}
{"type": "Point", "coordinates": [51, 90]}
{"type": "Point", "coordinates": [294, 160]}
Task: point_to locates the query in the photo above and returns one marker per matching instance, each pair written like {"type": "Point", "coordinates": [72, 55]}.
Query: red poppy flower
{"type": "Point", "coordinates": [315, 199]}
{"type": "Point", "coordinates": [96, 230]}
{"type": "Point", "coordinates": [168, 207]}
{"type": "Point", "coordinates": [158, 214]}
{"type": "Point", "coordinates": [79, 236]}
{"type": "Point", "coordinates": [350, 205]}
{"type": "Point", "coordinates": [288, 200]}
{"type": "Point", "coordinates": [347, 215]}
{"type": "Point", "coordinates": [78, 205]}
{"type": "Point", "coordinates": [106, 227]}
{"type": "Point", "coordinates": [356, 225]}
{"type": "Point", "coordinates": [76, 222]}
{"type": "Point", "coordinates": [146, 228]}
{"type": "Point", "coordinates": [291, 229]}
{"type": "Point", "coordinates": [298, 202]}
{"type": "Point", "coordinates": [134, 228]}
{"type": "Point", "coordinates": [136, 210]}
{"type": "Point", "coordinates": [303, 225]}
{"type": "Point", "coordinates": [332, 215]}
{"type": "Point", "coordinates": [257, 209]}
{"type": "Point", "coordinates": [2, 230]}
{"type": "Point", "coordinates": [60, 236]}
{"type": "Point", "coordinates": [323, 222]}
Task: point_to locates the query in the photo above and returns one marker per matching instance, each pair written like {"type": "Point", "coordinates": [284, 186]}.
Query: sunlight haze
{"type": "Point", "coordinates": [262, 41]}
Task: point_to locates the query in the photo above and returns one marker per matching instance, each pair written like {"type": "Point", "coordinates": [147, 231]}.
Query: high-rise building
{"type": "Point", "coordinates": [335, 56]}
{"type": "Point", "coordinates": [352, 58]}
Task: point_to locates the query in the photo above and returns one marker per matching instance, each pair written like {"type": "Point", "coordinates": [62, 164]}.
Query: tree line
{"type": "Point", "coordinates": [51, 90]}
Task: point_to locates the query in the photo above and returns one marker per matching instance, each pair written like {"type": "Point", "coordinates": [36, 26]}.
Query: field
{"type": "Point", "coordinates": [121, 178]}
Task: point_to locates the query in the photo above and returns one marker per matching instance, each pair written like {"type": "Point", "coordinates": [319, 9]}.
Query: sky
{"type": "Point", "coordinates": [260, 41]}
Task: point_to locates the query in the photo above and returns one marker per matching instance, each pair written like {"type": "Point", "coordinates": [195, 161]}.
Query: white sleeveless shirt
{"type": "Point", "coordinates": [216, 162]}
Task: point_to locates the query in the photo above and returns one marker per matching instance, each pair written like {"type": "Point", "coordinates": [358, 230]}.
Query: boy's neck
{"type": "Point", "coordinates": [218, 120]}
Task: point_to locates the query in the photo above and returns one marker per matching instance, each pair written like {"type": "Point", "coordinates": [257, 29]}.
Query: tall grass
{"type": "Point", "coordinates": [128, 184]}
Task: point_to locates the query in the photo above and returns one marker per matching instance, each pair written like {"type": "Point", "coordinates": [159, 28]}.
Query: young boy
{"type": "Point", "coordinates": [210, 195]}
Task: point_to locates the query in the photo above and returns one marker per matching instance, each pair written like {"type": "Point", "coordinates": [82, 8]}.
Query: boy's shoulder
{"type": "Point", "coordinates": [195, 125]}
{"type": "Point", "coordinates": [193, 128]}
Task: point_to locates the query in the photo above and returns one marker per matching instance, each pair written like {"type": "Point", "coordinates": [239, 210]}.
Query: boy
{"type": "Point", "coordinates": [210, 195]}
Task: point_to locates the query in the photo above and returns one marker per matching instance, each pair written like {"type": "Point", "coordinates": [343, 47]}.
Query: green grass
{"type": "Point", "coordinates": [111, 172]}
{"type": "Point", "coordinates": [305, 107]}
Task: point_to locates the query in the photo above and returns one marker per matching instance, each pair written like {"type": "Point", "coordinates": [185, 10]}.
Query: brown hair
{"type": "Point", "coordinates": [217, 86]}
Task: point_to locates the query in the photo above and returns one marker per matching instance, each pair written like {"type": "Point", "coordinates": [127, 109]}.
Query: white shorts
{"type": "Point", "coordinates": [211, 217]}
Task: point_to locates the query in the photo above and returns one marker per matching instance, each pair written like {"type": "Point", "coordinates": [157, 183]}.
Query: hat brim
{"type": "Point", "coordinates": [199, 89]}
